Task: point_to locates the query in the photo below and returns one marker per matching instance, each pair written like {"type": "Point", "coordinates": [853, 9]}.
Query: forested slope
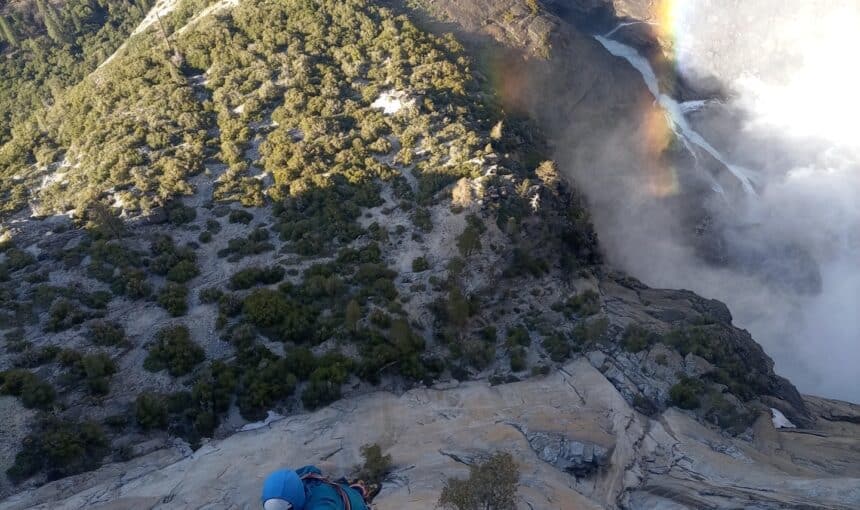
{"type": "Point", "coordinates": [282, 202]}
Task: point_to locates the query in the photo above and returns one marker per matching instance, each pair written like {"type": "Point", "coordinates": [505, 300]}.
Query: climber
{"type": "Point", "coordinates": [307, 489]}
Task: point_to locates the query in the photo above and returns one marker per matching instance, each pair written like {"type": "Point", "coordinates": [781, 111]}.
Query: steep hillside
{"type": "Point", "coordinates": [47, 46]}
{"type": "Point", "coordinates": [273, 204]}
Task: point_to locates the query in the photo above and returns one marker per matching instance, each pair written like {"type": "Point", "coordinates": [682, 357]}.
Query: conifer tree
{"type": "Point", "coordinates": [52, 21]}
{"type": "Point", "coordinates": [8, 32]}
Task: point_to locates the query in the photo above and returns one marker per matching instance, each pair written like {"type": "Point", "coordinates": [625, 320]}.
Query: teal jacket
{"type": "Point", "coordinates": [322, 496]}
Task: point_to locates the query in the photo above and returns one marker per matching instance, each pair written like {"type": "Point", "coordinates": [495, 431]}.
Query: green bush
{"type": "Point", "coordinates": [420, 264]}
{"type": "Point", "coordinates": [636, 338]}
{"type": "Point", "coordinates": [685, 394]}
{"type": "Point", "coordinates": [106, 333]}
{"type": "Point", "coordinates": [326, 380]}
{"type": "Point", "coordinates": [63, 315]}
{"type": "Point", "coordinates": [175, 351]}
{"type": "Point", "coordinates": [180, 214]}
{"type": "Point", "coordinates": [213, 226]}
{"type": "Point", "coordinates": [263, 386]}
{"type": "Point", "coordinates": [477, 353]}
{"type": "Point", "coordinates": [492, 485]}
{"type": "Point", "coordinates": [518, 335]}
{"type": "Point", "coordinates": [60, 448]}
{"type": "Point", "coordinates": [247, 278]}
{"type": "Point", "coordinates": [210, 295]}
{"type": "Point", "coordinates": [174, 298]}
{"type": "Point", "coordinates": [132, 283]}
{"type": "Point", "coordinates": [94, 369]}
{"type": "Point", "coordinates": [584, 304]}
{"type": "Point", "coordinates": [519, 359]}
{"type": "Point", "coordinates": [18, 259]}
{"type": "Point", "coordinates": [183, 271]}
{"type": "Point", "coordinates": [32, 358]}
{"type": "Point", "coordinates": [557, 346]}
{"type": "Point", "coordinates": [376, 465]}
{"type": "Point", "coordinates": [590, 332]}
{"type": "Point", "coordinates": [33, 391]}
{"type": "Point", "coordinates": [240, 216]}
{"type": "Point", "coordinates": [266, 307]}
{"type": "Point", "coordinates": [239, 248]}
{"type": "Point", "coordinates": [150, 411]}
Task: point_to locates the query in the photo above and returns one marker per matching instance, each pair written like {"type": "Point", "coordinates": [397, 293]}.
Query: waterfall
{"type": "Point", "coordinates": [674, 111]}
{"type": "Point", "coordinates": [627, 24]}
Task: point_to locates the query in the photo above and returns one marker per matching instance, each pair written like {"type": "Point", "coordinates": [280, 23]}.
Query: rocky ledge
{"type": "Point", "coordinates": [579, 444]}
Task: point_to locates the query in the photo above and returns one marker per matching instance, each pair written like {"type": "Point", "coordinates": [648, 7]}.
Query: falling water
{"type": "Point", "coordinates": [674, 110]}
{"type": "Point", "coordinates": [627, 24]}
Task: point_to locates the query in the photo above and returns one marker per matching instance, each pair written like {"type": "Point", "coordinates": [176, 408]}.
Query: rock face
{"type": "Point", "coordinates": [576, 457]}
{"type": "Point", "coordinates": [578, 444]}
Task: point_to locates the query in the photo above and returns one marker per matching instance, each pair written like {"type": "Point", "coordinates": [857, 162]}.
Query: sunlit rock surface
{"type": "Point", "coordinates": [578, 443]}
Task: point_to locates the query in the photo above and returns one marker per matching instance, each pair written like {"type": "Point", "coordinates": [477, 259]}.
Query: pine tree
{"type": "Point", "coordinates": [8, 32]}
{"type": "Point", "coordinates": [144, 6]}
{"type": "Point", "coordinates": [352, 315]}
{"type": "Point", "coordinates": [52, 21]}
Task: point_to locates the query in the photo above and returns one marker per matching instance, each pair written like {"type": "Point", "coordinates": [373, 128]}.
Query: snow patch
{"type": "Point", "coordinates": [780, 421]}
{"type": "Point", "coordinates": [392, 101]}
{"type": "Point", "coordinates": [271, 417]}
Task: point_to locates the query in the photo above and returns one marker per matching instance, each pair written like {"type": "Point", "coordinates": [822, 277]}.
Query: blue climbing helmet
{"type": "Point", "coordinates": [283, 486]}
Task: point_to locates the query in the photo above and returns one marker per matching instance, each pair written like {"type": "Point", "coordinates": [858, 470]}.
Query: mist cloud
{"type": "Point", "coordinates": [787, 262]}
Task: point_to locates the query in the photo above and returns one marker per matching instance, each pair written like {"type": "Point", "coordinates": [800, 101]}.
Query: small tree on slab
{"type": "Point", "coordinates": [492, 485]}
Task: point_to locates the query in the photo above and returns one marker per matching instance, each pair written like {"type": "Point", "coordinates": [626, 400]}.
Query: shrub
{"type": "Point", "coordinates": [421, 218]}
{"type": "Point", "coordinates": [31, 358]}
{"type": "Point", "coordinates": [266, 307]}
{"type": "Point", "coordinates": [210, 295]}
{"type": "Point", "coordinates": [106, 334]}
{"type": "Point", "coordinates": [94, 369]}
{"type": "Point", "coordinates": [132, 283]}
{"type": "Point", "coordinates": [33, 391]}
{"type": "Point", "coordinates": [180, 214]}
{"type": "Point", "coordinates": [492, 485]}
{"type": "Point", "coordinates": [18, 259]}
{"type": "Point", "coordinates": [205, 237]}
{"type": "Point", "coordinates": [213, 226]}
{"type": "Point", "coordinates": [589, 332]}
{"type": "Point", "coordinates": [478, 353]}
{"type": "Point", "coordinates": [519, 361]}
{"type": "Point", "coordinates": [326, 380]}
{"type": "Point", "coordinates": [60, 448]}
{"type": "Point", "coordinates": [420, 264]}
{"type": "Point", "coordinates": [240, 216]}
{"type": "Point", "coordinates": [685, 394]}
{"type": "Point", "coordinates": [175, 351]}
{"type": "Point", "coordinates": [262, 386]}
{"type": "Point", "coordinates": [585, 304]}
{"type": "Point", "coordinates": [174, 298]}
{"type": "Point", "coordinates": [636, 338]}
{"type": "Point", "coordinates": [247, 278]}
{"type": "Point", "coordinates": [376, 465]}
{"type": "Point", "coordinates": [150, 411]}
{"type": "Point", "coordinates": [469, 240]}
{"type": "Point", "coordinates": [557, 346]}
{"type": "Point", "coordinates": [183, 271]}
{"type": "Point", "coordinates": [352, 314]}
{"type": "Point", "coordinates": [518, 335]}
{"type": "Point", "coordinates": [63, 315]}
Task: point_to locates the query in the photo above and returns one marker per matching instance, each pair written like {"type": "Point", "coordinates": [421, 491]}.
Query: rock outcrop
{"type": "Point", "coordinates": [578, 443]}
